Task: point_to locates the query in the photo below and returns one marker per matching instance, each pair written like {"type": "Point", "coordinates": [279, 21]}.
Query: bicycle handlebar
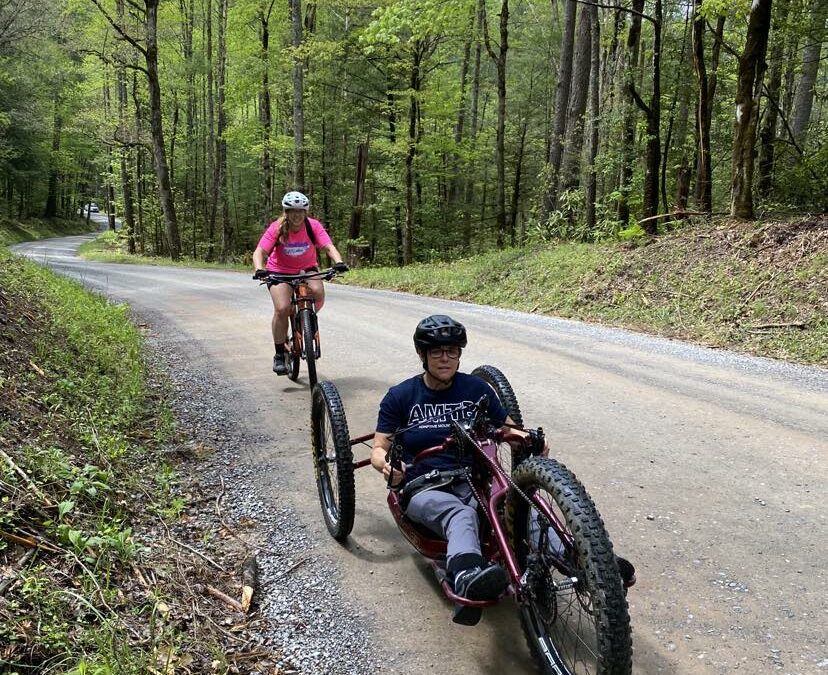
{"type": "Point", "coordinates": [281, 278]}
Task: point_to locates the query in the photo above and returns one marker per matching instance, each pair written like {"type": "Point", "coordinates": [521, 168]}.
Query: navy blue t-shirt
{"type": "Point", "coordinates": [412, 401]}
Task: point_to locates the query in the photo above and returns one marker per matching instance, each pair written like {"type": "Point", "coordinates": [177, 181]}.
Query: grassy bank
{"type": "Point", "coordinates": [759, 288]}
{"type": "Point", "coordinates": [97, 576]}
{"type": "Point", "coordinates": [14, 232]}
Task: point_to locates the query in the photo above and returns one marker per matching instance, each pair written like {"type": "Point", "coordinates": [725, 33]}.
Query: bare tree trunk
{"type": "Point", "coordinates": [266, 114]}
{"type": "Point", "coordinates": [221, 142]}
{"type": "Point", "coordinates": [298, 97]}
{"type": "Point", "coordinates": [748, 88]}
{"type": "Point", "coordinates": [570, 174]}
{"type": "Point", "coordinates": [513, 210]}
{"type": "Point", "coordinates": [211, 135]}
{"type": "Point", "coordinates": [594, 115]}
{"type": "Point", "coordinates": [469, 192]}
{"type": "Point", "coordinates": [804, 99]}
{"type": "Point", "coordinates": [411, 152]}
{"type": "Point", "coordinates": [459, 126]}
{"type": "Point", "coordinates": [161, 169]}
{"type": "Point", "coordinates": [499, 59]}
{"type": "Point", "coordinates": [50, 211]}
{"type": "Point", "coordinates": [767, 134]}
{"type": "Point", "coordinates": [628, 156]}
{"type": "Point", "coordinates": [550, 200]}
{"type": "Point", "coordinates": [704, 190]}
{"type": "Point", "coordinates": [357, 252]}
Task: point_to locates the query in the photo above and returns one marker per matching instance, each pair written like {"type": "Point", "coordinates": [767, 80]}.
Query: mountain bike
{"type": "Point", "coordinates": [537, 522]}
{"type": "Point", "coordinates": [302, 342]}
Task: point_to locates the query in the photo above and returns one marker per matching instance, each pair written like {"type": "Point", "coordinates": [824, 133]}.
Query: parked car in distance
{"type": "Point", "coordinates": [93, 208]}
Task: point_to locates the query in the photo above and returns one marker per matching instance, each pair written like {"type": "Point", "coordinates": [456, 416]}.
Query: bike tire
{"type": "Point", "coordinates": [293, 351]}
{"type": "Point", "coordinates": [497, 381]}
{"type": "Point", "coordinates": [583, 630]}
{"type": "Point", "coordinates": [309, 344]}
{"type": "Point", "coordinates": [333, 460]}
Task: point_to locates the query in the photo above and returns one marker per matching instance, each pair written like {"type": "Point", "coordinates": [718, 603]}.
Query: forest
{"type": "Point", "coordinates": [421, 130]}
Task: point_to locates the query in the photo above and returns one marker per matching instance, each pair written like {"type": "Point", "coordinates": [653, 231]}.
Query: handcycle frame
{"type": "Point", "coordinates": [303, 327]}
{"type": "Point", "coordinates": [537, 521]}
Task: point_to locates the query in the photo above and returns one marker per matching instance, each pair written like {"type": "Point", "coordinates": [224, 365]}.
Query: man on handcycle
{"type": "Point", "coordinates": [438, 493]}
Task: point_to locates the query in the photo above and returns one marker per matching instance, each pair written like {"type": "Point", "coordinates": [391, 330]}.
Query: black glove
{"type": "Point", "coordinates": [340, 267]}
{"type": "Point", "coordinates": [260, 274]}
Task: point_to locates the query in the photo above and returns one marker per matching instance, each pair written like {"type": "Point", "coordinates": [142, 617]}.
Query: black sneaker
{"type": "Point", "coordinates": [478, 583]}
{"type": "Point", "coordinates": [279, 363]}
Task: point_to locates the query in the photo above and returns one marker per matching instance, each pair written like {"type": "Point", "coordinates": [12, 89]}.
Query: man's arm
{"type": "Point", "coordinates": [382, 446]}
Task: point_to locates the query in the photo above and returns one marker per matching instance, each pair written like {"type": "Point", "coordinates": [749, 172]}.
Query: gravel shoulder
{"type": "Point", "coordinates": [305, 623]}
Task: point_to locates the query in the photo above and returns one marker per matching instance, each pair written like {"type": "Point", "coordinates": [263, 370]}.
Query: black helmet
{"type": "Point", "coordinates": [437, 330]}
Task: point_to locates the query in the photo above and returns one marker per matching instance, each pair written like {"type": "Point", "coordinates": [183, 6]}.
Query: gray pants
{"type": "Point", "coordinates": [450, 513]}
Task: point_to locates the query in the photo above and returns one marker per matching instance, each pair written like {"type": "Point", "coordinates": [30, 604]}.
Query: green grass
{"type": "Point", "coordinates": [110, 246]}
{"type": "Point", "coordinates": [78, 419]}
{"type": "Point", "coordinates": [14, 232]}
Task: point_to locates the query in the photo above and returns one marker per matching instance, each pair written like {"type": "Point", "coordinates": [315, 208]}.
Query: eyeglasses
{"type": "Point", "coordinates": [453, 352]}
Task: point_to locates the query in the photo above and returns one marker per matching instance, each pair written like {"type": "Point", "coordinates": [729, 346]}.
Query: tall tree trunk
{"type": "Point", "coordinates": [550, 199]}
{"type": "Point", "coordinates": [358, 252]}
{"type": "Point", "coordinates": [570, 174]}
{"type": "Point", "coordinates": [187, 10]}
{"type": "Point", "coordinates": [468, 197]}
{"type": "Point", "coordinates": [748, 88]}
{"type": "Point", "coordinates": [210, 169]}
{"type": "Point", "coordinates": [804, 99]}
{"type": "Point", "coordinates": [513, 210]}
{"type": "Point", "coordinates": [414, 83]}
{"type": "Point", "coordinates": [628, 154]}
{"type": "Point", "coordinates": [221, 128]}
{"type": "Point", "coordinates": [704, 189]}
{"type": "Point", "coordinates": [499, 59]}
{"type": "Point", "coordinates": [459, 126]}
{"type": "Point", "coordinates": [767, 134]}
{"type": "Point", "coordinates": [298, 97]}
{"type": "Point", "coordinates": [594, 118]}
{"type": "Point", "coordinates": [50, 211]}
{"type": "Point", "coordinates": [266, 113]}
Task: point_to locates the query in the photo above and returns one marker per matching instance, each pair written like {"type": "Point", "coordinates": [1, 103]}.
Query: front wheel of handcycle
{"type": "Point", "coordinates": [574, 612]}
{"type": "Point", "coordinates": [333, 461]}
{"type": "Point", "coordinates": [509, 457]}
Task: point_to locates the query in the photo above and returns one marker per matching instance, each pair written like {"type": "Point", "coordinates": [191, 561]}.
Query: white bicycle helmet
{"type": "Point", "coordinates": [295, 200]}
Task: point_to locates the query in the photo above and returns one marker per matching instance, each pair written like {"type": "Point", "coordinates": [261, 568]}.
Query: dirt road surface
{"type": "Point", "coordinates": [709, 468]}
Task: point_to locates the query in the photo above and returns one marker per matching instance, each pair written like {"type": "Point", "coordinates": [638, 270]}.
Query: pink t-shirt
{"type": "Point", "coordinates": [297, 253]}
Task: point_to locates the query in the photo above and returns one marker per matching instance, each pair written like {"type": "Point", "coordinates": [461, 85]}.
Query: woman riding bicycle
{"type": "Point", "coordinates": [441, 500]}
{"type": "Point", "coordinates": [289, 244]}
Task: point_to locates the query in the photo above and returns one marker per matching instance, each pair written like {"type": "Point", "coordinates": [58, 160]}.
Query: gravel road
{"type": "Point", "coordinates": [709, 469]}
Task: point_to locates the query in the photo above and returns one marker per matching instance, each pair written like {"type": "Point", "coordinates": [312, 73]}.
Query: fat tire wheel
{"type": "Point", "coordinates": [497, 381]}
{"type": "Point", "coordinates": [309, 344]}
{"type": "Point", "coordinates": [552, 619]}
{"type": "Point", "coordinates": [333, 461]}
{"type": "Point", "coordinates": [292, 357]}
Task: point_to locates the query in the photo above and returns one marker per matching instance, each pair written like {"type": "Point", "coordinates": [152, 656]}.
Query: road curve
{"type": "Point", "coordinates": [709, 468]}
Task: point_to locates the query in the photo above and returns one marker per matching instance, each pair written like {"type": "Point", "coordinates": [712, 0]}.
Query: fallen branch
{"type": "Point", "coordinates": [250, 578]}
{"type": "Point", "coordinates": [789, 324]}
{"type": "Point", "coordinates": [226, 599]}
{"type": "Point", "coordinates": [26, 479]}
{"type": "Point", "coordinates": [198, 553]}
{"type": "Point", "coordinates": [37, 368]}
{"type": "Point", "coordinates": [30, 541]}
{"type": "Point", "coordinates": [675, 213]}
{"type": "Point", "coordinates": [291, 568]}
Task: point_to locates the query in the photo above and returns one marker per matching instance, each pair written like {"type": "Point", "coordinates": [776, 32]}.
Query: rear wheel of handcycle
{"type": "Point", "coordinates": [333, 461]}
{"type": "Point", "coordinates": [574, 615]}
{"type": "Point", "coordinates": [309, 344]}
{"type": "Point", "coordinates": [509, 458]}
{"type": "Point", "coordinates": [293, 352]}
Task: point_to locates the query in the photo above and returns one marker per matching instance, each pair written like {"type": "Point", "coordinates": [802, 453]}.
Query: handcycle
{"type": "Point", "coordinates": [303, 331]}
{"type": "Point", "coordinates": [537, 521]}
